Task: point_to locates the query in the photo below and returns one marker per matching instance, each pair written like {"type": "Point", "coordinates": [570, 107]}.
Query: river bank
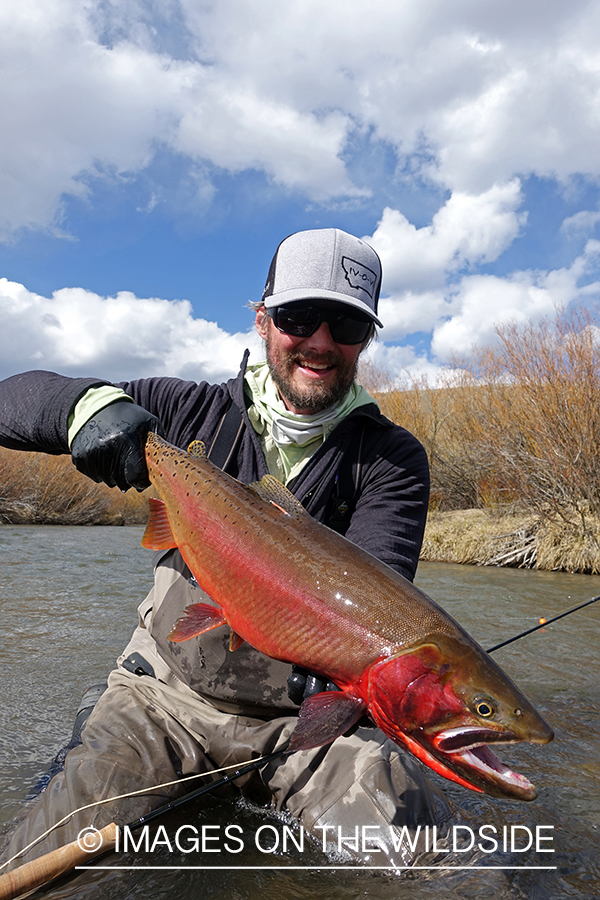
{"type": "Point", "coordinates": [518, 540]}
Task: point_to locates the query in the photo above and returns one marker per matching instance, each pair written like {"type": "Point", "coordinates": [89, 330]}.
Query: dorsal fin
{"type": "Point", "coordinates": [273, 491]}
{"type": "Point", "coordinates": [197, 448]}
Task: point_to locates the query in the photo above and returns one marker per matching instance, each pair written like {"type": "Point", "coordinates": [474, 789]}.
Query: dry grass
{"type": "Point", "coordinates": [474, 537]}
{"type": "Point", "coordinates": [48, 490]}
{"type": "Point", "coordinates": [478, 537]}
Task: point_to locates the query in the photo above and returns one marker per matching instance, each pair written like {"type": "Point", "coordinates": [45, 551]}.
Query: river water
{"type": "Point", "coordinates": [68, 600]}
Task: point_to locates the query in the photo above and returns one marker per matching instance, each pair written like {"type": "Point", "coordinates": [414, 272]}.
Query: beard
{"type": "Point", "coordinates": [316, 397]}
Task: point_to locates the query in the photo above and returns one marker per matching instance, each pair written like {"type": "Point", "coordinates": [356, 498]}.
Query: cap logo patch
{"type": "Point", "coordinates": [359, 276]}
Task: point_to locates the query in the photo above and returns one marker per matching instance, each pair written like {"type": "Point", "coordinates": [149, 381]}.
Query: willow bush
{"type": "Point", "coordinates": [536, 395]}
{"type": "Point", "coordinates": [516, 428]}
{"type": "Point", "coordinates": [432, 413]}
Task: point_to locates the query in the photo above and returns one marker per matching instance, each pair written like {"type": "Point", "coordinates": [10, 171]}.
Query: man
{"type": "Point", "coordinates": [175, 709]}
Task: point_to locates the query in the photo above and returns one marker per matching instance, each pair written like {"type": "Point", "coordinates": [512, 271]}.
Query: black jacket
{"type": "Point", "coordinates": [392, 475]}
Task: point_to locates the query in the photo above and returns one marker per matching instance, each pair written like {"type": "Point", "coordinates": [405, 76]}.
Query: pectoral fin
{"type": "Point", "coordinates": [324, 717]}
{"type": "Point", "coordinates": [197, 619]}
{"type": "Point", "coordinates": [235, 640]}
{"type": "Point", "coordinates": [158, 534]}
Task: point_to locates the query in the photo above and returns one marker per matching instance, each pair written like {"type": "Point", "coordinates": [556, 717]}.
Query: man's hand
{"type": "Point", "coordinates": [302, 684]}
{"type": "Point", "coordinates": [110, 446]}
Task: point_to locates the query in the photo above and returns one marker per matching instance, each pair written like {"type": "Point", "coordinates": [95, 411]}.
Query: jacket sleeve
{"type": "Point", "coordinates": [390, 514]}
{"type": "Point", "coordinates": [35, 409]}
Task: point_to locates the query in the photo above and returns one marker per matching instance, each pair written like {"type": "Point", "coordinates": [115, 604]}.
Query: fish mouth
{"type": "Point", "coordinates": [468, 751]}
{"type": "Point", "coordinates": [466, 738]}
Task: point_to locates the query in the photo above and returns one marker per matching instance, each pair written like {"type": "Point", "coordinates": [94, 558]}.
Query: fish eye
{"type": "Point", "coordinates": [484, 709]}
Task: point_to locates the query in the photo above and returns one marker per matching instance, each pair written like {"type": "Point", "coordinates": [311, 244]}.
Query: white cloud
{"type": "Point", "coordinates": [471, 95]}
{"type": "Point", "coordinates": [483, 301]}
{"type": "Point", "coordinates": [468, 229]}
{"type": "Point", "coordinates": [488, 90]}
{"type": "Point", "coordinates": [77, 332]}
{"type": "Point", "coordinates": [428, 298]}
{"type": "Point", "coordinates": [408, 312]}
{"type": "Point", "coordinates": [236, 128]}
{"type": "Point", "coordinates": [581, 223]}
{"type": "Point", "coordinates": [419, 263]}
{"type": "Point", "coordinates": [70, 107]}
{"type": "Point", "coordinates": [385, 367]}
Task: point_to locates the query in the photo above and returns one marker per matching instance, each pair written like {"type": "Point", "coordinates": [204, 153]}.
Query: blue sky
{"type": "Point", "coordinates": [153, 155]}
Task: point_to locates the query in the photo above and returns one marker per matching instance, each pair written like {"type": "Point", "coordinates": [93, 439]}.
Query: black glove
{"type": "Point", "coordinates": [110, 446]}
{"type": "Point", "coordinates": [302, 684]}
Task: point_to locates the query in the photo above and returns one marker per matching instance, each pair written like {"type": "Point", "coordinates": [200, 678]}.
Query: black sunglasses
{"type": "Point", "coordinates": [302, 321]}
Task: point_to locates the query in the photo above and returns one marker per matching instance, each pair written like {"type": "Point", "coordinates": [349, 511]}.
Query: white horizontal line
{"type": "Point", "coordinates": [316, 868]}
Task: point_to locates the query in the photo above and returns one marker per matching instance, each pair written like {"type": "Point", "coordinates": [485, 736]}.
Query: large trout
{"type": "Point", "coordinates": [299, 592]}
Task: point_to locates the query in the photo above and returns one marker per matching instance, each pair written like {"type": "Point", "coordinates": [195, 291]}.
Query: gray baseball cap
{"type": "Point", "coordinates": [325, 264]}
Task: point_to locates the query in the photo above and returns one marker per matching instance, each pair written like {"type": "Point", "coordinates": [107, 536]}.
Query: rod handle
{"type": "Point", "coordinates": [48, 867]}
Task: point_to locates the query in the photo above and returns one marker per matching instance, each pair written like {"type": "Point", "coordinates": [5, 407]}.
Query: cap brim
{"type": "Point", "coordinates": [293, 296]}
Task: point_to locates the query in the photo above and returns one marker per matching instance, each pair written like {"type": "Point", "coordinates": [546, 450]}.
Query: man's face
{"type": "Point", "coordinates": [311, 373]}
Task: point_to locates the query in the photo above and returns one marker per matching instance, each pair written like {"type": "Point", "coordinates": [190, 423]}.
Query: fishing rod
{"type": "Point", "coordinates": [58, 862]}
{"type": "Point", "coordinates": [543, 624]}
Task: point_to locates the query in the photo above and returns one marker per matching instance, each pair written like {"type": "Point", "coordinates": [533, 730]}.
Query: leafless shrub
{"type": "Point", "coordinates": [430, 413]}
{"type": "Point", "coordinates": [516, 428]}
{"type": "Point", "coordinates": [539, 407]}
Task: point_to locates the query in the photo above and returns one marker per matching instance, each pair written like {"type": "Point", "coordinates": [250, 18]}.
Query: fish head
{"type": "Point", "coordinates": [449, 703]}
